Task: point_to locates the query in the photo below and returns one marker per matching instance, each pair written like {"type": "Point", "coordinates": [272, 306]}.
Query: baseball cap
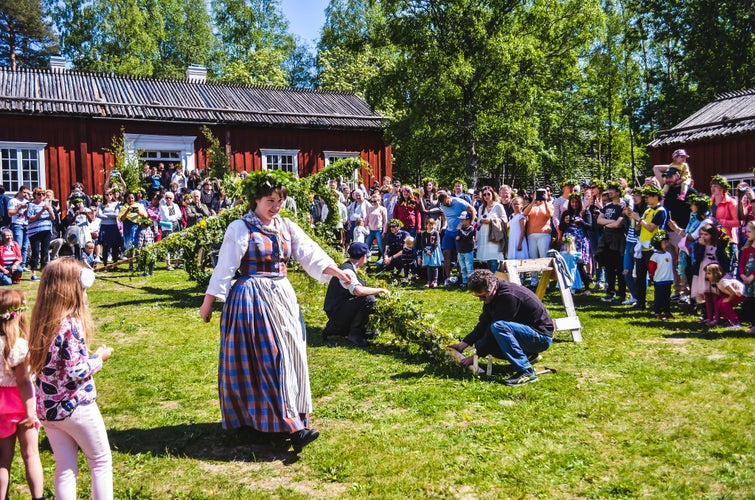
{"type": "Point", "coordinates": [464, 215]}
{"type": "Point", "coordinates": [670, 171]}
{"type": "Point", "coordinates": [357, 250]}
{"type": "Point", "coordinates": [679, 152]}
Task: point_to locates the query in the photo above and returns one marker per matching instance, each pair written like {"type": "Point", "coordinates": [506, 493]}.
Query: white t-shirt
{"type": "Point", "coordinates": [17, 356]}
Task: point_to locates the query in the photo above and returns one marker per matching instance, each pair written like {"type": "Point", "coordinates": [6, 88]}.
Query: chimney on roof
{"type": "Point", "coordinates": [196, 73]}
{"type": "Point", "coordinates": [57, 64]}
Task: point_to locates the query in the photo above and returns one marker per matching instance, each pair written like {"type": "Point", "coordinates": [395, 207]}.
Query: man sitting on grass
{"type": "Point", "coordinates": [514, 325]}
{"type": "Point", "coordinates": [348, 306]}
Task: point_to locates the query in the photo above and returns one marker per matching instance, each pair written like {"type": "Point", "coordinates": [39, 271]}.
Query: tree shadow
{"type": "Point", "coordinates": [711, 334]}
{"type": "Point", "coordinates": [202, 441]}
{"type": "Point", "coordinates": [184, 298]}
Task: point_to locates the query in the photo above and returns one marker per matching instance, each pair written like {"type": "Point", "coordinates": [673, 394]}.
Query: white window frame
{"type": "Point", "coordinates": [39, 149]}
{"type": "Point", "coordinates": [735, 179]}
{"type": "Point", "coordinates": [332, 156]}
{"type": "Point", "coordinates": [293, 153]}
{"type": "Point", "coordinates": [184, 144]}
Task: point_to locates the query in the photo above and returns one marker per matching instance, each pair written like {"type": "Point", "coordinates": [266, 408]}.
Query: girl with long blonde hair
{"type": "Point", "coordinates": [18, 417]}
{"type": "Point", "coordinates": [61, 329]}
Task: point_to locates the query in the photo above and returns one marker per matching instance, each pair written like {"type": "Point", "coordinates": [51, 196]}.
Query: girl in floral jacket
{"type": "Point", "coordinates": [59, 356]}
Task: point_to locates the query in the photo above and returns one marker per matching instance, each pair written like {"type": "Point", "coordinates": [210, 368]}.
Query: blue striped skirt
{"type": "Point", "coordinates": [263, 376]}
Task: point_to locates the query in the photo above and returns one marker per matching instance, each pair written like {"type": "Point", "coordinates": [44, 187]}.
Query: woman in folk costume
{"type": "Point", "coordinates": [263, 378]}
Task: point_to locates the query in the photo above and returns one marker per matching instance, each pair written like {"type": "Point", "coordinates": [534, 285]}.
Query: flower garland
{"type": "Point", "coordinates": [12, 312]}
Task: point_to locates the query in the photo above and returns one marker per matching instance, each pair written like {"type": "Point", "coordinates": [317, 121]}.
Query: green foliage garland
{"type": "Point", "coordinates": [127, 165]}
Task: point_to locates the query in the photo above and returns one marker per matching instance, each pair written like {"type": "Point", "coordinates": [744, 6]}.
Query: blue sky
{"type": "Point", "coordinates": [305, 17]}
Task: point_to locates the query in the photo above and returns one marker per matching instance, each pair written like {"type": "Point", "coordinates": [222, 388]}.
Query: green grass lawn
{"type": "Point", "coordinates": [640, 408]}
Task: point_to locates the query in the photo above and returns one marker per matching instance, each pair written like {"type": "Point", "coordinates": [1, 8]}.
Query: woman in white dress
{"type": "Point", "coordinates": [491, 220]}
{"type": "Point", "coordinates": [517, 247]}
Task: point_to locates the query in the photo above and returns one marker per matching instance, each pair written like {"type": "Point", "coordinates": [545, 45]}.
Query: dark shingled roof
{"type": "Point", "coordinates": [729, 114]}
{"type": "Point", "coordinates": [99, 95]}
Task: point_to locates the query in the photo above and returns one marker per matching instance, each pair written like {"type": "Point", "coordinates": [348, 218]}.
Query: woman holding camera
{"type": "Point", "coordinates": [130, 213]}
{"type": "Point", "coordinates": [539, 214]}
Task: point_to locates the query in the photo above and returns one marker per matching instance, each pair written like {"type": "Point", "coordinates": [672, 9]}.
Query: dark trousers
{"type": "Point", "coordinates": [40, 249]}
{"type": "Point", "coordinates": [614, 265]}
{"type": "Point", "coordinates": [662, 300]}
{"type": "Point", "coordinates": [350, 318]}
{"type": "Point", "coordinates": [748, 310]}
{"type": "Point", "coordinates": [641, 282]}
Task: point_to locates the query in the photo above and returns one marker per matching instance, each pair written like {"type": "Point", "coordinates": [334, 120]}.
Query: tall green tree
{"type": "Point", "coordinates": [254, 40]}
{"type": "Point", "coordinates": [157, 38]}
{"type": "Point", "coordinates": [472, 77]}
{"type": "Point", "coordinates": [110, 36]}
{"type": "Point", "coordinates": [183, 32]}
{"type": "Point", "coordinates": [353, 50]}
{"type": "Point", "coordinates": [26, 38]}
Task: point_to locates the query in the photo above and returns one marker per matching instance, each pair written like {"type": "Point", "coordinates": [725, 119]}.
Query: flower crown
{"type": "Point", "coordinates": [721, 181]}
{"type": "Point", "coordinates": [267, 179]}
{"type": "Point", "coordinates": [12, 312]}
{"type": "Point", "coordinates": [569, 238]}
{"type": "Point", "coordinates": [659, 236]}
{"type": "Point", "coordinates": [575, 195]}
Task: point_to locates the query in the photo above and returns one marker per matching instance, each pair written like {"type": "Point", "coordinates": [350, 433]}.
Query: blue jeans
{"type": "Point", "coordinates": [19, 234]}
{"type": "Point", "coordinates": [629, 269]}
{"type": "Point", "coordinates": [8, 279]}
{"type": "Point", "coordinates": [377, 236]}
{"type": "Point", "coordinates": [466, 262]}
{"type": "Point", "coordinates": [517, 340]}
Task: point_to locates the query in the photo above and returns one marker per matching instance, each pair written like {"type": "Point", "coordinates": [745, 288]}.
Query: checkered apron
{"type": "Point", "coordinates": [263, 376]}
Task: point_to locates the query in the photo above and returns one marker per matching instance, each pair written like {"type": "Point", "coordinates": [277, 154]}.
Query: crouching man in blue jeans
{"type": "Point", "coordinates": [514, 325]}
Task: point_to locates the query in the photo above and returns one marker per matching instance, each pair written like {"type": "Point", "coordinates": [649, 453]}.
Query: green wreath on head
{"type": "Point", "coordinates": [575, 195]}
{"type": "Point", "coordinates": [567, 182]}
{"type": "Point", "coordinates": [699, 200]}
{"type": "Point", "coordinates": [652, 191]}
{"type": "Point", "coordinates": [598, 184]}
{"type": "Point", "coordinates": [659, 236]}
{"type": "Point", "coordinates": [266, 180]}
{"type": "Point", "coordinates": [721, 181]}
{"type": "Point", "coordinates": [396, 222]}
{"type": "Point", "coordinates": [615, 186]}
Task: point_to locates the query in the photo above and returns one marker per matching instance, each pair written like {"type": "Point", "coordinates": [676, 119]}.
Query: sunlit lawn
{"type": "Point", "coordinates": [641, 408]}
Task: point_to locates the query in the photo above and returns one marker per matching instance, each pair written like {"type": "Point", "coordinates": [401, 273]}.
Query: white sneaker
{"type": "Point", "coordinates": [629, 302]}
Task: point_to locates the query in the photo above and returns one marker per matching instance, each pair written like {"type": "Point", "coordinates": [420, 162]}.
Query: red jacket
{"type": "Point", "coordinates": [16, 254]}
{"type": "Point", "coordinates": [409, 215]}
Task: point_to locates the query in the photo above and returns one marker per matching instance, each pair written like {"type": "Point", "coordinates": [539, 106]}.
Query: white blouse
{"type": "Point", "coordinates": [313, 259]}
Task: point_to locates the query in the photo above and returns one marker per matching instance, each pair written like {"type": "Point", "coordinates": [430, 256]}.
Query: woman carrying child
{"type": "Point", "coordinates": [747, 274]}
{"type": "Point", "coordinates": [18, 417]}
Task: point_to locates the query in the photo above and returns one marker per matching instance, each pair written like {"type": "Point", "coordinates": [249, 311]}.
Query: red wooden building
{"type": "Point", "coordinates": [55, 126]}
{"type": "Point", "coordinates": [720, 139]}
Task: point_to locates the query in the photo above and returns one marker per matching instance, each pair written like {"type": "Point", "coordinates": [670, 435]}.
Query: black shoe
{"type": "Point", "coordinates": [328, 332]}
{"type": "Point", "coordinates": [371, 334]}
{"type": "Point", "coordinates": [358, 341]}
{"type": "Point", "coordinates": [302, 438]}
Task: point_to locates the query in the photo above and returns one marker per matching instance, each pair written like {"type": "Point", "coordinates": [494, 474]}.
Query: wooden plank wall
{"type": "Point", "coordinates": [76, 147]}
{"type": "Point", "coordinates": [729, 155]}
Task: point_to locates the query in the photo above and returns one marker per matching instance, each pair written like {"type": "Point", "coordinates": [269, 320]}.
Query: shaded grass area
{"type": "Point", "coordinates": [641, 408]}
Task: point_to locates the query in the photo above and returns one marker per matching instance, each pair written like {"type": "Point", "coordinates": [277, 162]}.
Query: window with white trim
{"type": "Point", "coordinates": [22, 164]}
{"type": "Point", "coordinates": [154, 149]}
{"type": "Point", "coordinates": [334, 156]}
{"type": "Point", "coordinates": [286, 160]}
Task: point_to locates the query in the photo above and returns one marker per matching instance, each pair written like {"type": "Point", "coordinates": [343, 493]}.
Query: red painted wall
{"type": "Point", "coordinates": [75, 147]}
{"type": "Point", "coordinates": [730, 155]}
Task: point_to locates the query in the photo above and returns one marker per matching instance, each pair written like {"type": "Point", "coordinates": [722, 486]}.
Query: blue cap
{"type": "Point", "coordinates": [357, 250]}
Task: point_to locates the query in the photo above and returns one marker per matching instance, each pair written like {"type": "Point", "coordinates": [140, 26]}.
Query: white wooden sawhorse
{"type": "Point", "coordinates": [510, 269]}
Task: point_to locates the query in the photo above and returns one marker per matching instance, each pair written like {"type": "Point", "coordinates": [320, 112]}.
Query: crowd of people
{"type": "Point", "coordinates": [102, 228]}
{"type": "Point", "coordinates": [615, 239]}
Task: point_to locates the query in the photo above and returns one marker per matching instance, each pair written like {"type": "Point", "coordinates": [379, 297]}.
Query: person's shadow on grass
{"type": "Point", "coordinates": [202, 441]}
